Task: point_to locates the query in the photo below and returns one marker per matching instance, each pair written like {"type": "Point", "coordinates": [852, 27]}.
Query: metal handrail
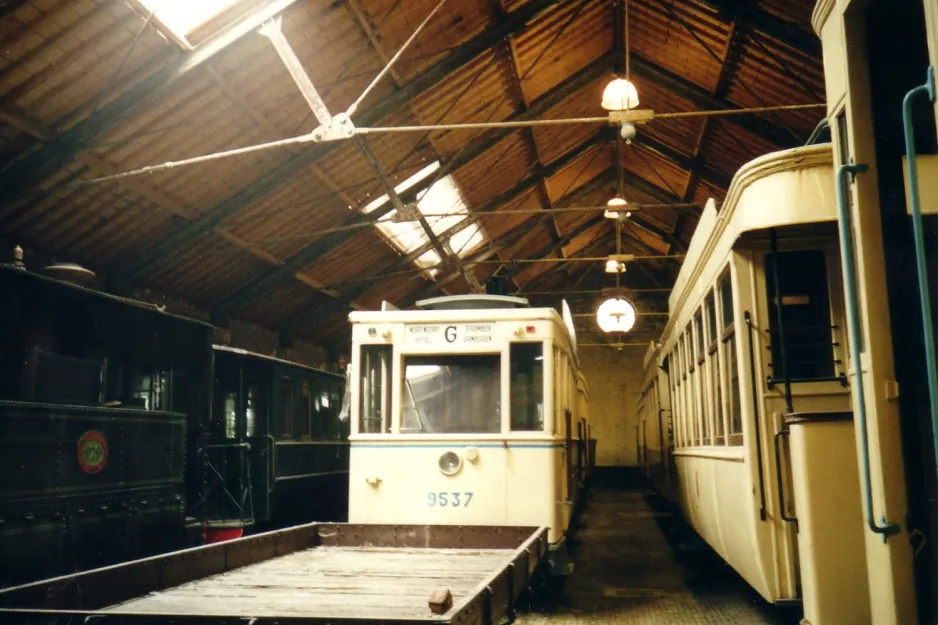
{"type": "Point", "coordinates": [850, 296]}
{"type": "Point", "coordinates": [778, 477]}
{"type": "Point", "coordinates": [842, 378]}
{"type": "Point", "coordinates": [755, 412]}
{"type": "Point", "coordinates": [920, 262]}
{"type": "Point", "coordinates": [821, 127]}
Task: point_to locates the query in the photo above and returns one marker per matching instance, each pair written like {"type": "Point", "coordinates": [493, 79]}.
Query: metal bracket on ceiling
{"type": "Point", "coordinates": [330, 128]}
{"type": "Point", "coordinates": [408, 212]}
{"type": "Point", "coordinates": [339, 127]}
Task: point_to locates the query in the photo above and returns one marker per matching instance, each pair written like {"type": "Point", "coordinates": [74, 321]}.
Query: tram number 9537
{"type": "Point", "coordinates": [452, 500]}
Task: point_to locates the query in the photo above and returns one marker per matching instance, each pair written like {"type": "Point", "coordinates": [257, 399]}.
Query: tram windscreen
{"type": "Point", "coordinates": [452, 394]}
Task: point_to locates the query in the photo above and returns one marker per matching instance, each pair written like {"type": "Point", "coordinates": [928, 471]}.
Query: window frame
{"type": "Point", "coordinates": [730, 362]}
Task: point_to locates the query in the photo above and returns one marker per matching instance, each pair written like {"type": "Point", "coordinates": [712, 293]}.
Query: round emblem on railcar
{"type": "Point", "coordinates": [92, 451]}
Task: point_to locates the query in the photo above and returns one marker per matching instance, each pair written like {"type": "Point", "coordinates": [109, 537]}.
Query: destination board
{"type": "Point", "coordinates": [449, 334]}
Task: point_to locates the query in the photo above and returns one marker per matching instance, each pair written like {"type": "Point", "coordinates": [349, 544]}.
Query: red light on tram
{"type": "Point", "coordinates": [530, 329]}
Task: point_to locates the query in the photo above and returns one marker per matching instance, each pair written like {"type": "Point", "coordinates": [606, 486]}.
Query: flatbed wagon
{"type": "Point", "coordinates": [336, 573]}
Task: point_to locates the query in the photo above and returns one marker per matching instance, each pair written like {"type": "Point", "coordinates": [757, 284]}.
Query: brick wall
{"type": "Point", "coordinates": [614, 379]}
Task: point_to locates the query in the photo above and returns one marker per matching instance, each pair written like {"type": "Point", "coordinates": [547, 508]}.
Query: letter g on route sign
{"type": "Point", "coordinates": [450, 334]}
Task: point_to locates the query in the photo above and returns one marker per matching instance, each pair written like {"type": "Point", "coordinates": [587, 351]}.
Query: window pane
{"type": "Point", "coordinates": [806, 315]}
{"type": "Point", "coordinates": [732, 375]}
{"type": "Point", "coordinates": [452, 394]}
{"type": "Point", "coordinates": [231, 415]}
{"type": "Point", "coordinates": [286, 403]}
{"type": "Point", "coordinates": [711, 318]}
{"type": "Point", "coordinates": [375, 389]}
{"type": "Point", "coordinates": [726, 295]}
{"type": "Point", "coordinates": [303, 412]}
{"type": "Point", "coordinates": [527, 386]}
{"type": "Point", "coordinates": [716, 385]}
{"type": "Point", "coordinates": [698, 327]}
{"type": "Point", "coordinates": [693, 406]}
{"type": "Point", "coordinates": [253, 411]}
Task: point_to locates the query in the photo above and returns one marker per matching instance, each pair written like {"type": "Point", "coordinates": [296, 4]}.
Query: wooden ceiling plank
{"type": "Point", "coordinates": [62, 149]}
{"type": "Point", "coordinates": [23, 122]}
{"type": "Point", "coordinates": [700, 97]}
{"type": "Point", "coordinates": [788, 33]}
{"type": "Point", "coordinates": [473, 149]}
{"type": "Point", "coordinates": [305, 316]}
{"type": "Point", "coordinates": [457, 59]}
{"type": "Point", "coordinates": [730, 55]}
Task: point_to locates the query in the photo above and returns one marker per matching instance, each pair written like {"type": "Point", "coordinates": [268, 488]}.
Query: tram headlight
{"type": "Point", "coordinates": [450, 463]}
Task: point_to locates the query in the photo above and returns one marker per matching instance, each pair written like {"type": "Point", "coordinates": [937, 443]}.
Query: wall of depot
{"type": "Point", "coordinates": [614, 378]}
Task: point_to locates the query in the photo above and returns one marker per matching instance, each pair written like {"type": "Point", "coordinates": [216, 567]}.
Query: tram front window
{"type": "Point", "coordinates": [452, 394]}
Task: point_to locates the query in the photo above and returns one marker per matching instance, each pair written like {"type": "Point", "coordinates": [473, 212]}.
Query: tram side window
{"type": "Point", "coordinates": [730, 360]}
{"type": "Point", "coordinates": [806, 315]}
{"type": "Point", "coordinates": [702, 377]}
{"type": "Point", "coordinates": [692, 375]}
{"type": "Point", "coordinates": [682, 392]}
{"type": "Point", "coordinates": [527, 387]}
{"type": "Point", "coordinates": [714, 379]}
{"type": "Point", "coordinates": [375, 389]}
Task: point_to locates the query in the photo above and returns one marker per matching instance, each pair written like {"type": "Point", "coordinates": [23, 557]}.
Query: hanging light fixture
{"type": "Point", "coordinates": [615, 208]}
{"type": "Point", "coordinates": [621, 94]}
{"type": "Point", "coordinates": [615, 315]}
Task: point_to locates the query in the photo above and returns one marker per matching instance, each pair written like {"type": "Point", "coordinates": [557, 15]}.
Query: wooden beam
{"type": "Point", "coordinates": [796, 35]}
{"type": "Point", "coordinates": [732, 48]}
{"type": "Point", "coordinates": [707, 173]}
{"type": "Point", "coordinates": [59, 151]}
{"type": "Point", "coordinates": [458, 58]}
{"type": "Point", "coordinates": [473, 149]}
{"type": "Point", "coordinates": [23, 122]}
{"type": "Point", "coordinates": [536, 110]}
{"type": "Point", "coordinates": [701, 97]}
{"type": "Point", "coordinates": [303, 317]}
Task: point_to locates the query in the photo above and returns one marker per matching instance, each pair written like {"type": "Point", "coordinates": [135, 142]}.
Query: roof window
{"type": "Point", "coordinates": [444, 206]}
{"type": "Point", "coordinates": [189, 22]}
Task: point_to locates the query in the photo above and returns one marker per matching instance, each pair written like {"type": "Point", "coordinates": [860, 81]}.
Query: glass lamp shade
{"type": "Point", "coordinates": [614, 208]}
{"type": "Point", "coordinates": [615, 315]}
{"type": "Point", "coordinates": [620, 95]}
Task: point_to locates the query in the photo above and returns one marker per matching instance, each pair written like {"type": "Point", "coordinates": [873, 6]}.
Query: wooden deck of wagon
{"type": "Point", "coordinates": [311, 573]}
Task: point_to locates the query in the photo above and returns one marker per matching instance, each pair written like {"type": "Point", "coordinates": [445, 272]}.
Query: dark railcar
{"type": "Point", "coordinates": [278, 446]}
{"type": "Point", "coordinates": [94, 396]}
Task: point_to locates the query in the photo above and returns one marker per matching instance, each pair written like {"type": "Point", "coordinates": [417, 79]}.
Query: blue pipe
{"type": "Point", "coordinates": [916, 208]}
{"type": "Point", "coordinates": [853, 323]}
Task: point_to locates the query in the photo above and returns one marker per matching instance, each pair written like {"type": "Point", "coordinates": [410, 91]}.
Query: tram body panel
{"type": "Point", "coordinates": [715, 501]}
{"type": "Point", "coordinates": [388, 486]}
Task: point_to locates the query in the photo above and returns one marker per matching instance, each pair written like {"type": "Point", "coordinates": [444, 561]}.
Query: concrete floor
{"type": "Point", "coordinates": [628, 572]}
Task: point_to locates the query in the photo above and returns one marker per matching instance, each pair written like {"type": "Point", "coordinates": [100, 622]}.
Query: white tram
{"type": "Point", "coordinates": [747, 409]}
{"type": "Point", "coordinates": [470, 412]}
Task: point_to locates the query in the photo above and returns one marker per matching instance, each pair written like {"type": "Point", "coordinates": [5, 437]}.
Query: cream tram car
{"type": "Point", "coordinates": [469, 412]}
{"type": "Point", "coordinates": [750, 391]}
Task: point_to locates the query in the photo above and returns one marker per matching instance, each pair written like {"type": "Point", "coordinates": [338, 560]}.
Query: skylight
{"type": "Point", "coordinates": [445, 207]}
{"type": "Point", "coordinates": [182, 17]}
